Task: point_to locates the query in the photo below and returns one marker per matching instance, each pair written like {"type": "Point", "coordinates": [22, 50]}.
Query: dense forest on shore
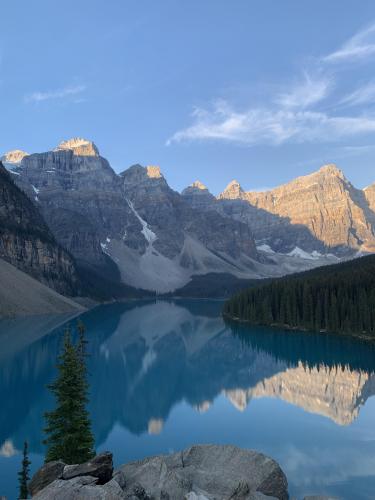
{"type": "Point", "coordinates": [337, 298]}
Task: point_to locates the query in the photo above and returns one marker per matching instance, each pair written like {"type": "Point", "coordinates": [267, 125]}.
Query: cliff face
{"type": "Point", "coordinates": [198, 196]}
{"type": "Point", "coordinates": [172, 218]}
{"type": "Point", "coordinates": [154, 237]}
{"type": "Point", "coordinates": [176, 239]}
{"type": "Point", "coordinates": [78, 194]}
{"type": "Point", "coordinates": [315, 212]}
{"type": "Point", "coordinates": [28, 244]}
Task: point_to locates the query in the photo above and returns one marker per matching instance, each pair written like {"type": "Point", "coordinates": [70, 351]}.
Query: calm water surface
{"type": "Point", "coordinates": [166, 375]}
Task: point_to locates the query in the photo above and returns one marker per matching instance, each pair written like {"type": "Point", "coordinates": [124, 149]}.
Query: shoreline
{"type": "Point", "coordinates": [289, 328]}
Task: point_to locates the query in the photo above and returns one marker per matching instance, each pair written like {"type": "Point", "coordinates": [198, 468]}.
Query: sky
{"type": "Point", "coordinates": [255, 90]}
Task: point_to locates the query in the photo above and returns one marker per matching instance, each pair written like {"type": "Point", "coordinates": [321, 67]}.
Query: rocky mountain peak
{"type": "Point", "coordinates": [14, 156]}
{"type": "Point", "coordinates": [137, 175]}
{"type": "Point", "coordinates": [196, 188]}
{"type": "Point", "coordinates": [331, 169]}
{"type": "Point", "coordinates": [79, 146]}
{"type": "Point", "coordinates": [153, 171]}
{"type": "Point", "coordinates": [232, 191]}
{"type": "Point", "coordinates": [198, 196]}
{"type": "Point", "coordinates": [199, 185]}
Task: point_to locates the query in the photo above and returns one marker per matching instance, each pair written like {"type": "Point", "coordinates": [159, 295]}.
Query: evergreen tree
{"type": "Point", "coordinates": [69, 436]}
{"type": "Point", "coordinates": [23, 475]}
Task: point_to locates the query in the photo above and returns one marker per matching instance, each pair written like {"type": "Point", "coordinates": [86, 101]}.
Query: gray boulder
{"type": "Point", "coordinates": [100, 467]}
{"type": "Point", "coordinates": [210, 471]}
{"type": "Point", "coordinates": [81, 488]}
{"type": "Point", "coordinates": [46, 475]}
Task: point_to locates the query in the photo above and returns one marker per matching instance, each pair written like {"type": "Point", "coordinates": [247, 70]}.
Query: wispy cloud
{"type": "Point", "coordinates": [307, 92]}
{"type": "Point", "coordinates": [360, 46]}
{"type": "Point", "coordinates": [265, 125]}
{"type": "Point", "coordinates": [294, 115]}
{"type": "Point", "coordinates": [363, 95]}
{"type": "Point", "coordinates": [55, 94]}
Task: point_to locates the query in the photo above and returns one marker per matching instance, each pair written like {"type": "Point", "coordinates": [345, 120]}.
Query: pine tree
{"type": "Point", "coordinates": [23, 475]}
{"type": "Point", "coordinates": [69, 436]}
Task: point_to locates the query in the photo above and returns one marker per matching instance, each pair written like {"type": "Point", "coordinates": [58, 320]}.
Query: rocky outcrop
{"type": "Point", "coordinates": [14, 157]}
{"type": "Point", "coordinates": [200, 472]}
{"type": "Point", "coordinates": [79, 146]}
{"type": "Point", "coordinates": [213, 471]}
{"type": "Point", "coordinates": [27, 243]}
{"type": "Point", "coordinates": [68, 481]}
{"type": "Point", "coordinates": [48, 473]}
{"type": "Point", "coordinates": [167, 213]}
{"type": "Point", "coordinates": [78, 194]}
{"type": "Point", "coordinates": [198, 196]}
{"type": "Point", "coordinates": [321, 211]}
{"type": "Point", "coordinates": [100, 467]}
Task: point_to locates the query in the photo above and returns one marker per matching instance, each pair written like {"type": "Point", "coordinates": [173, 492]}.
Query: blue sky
{"type": "Point", "coordinates": [257, 90]}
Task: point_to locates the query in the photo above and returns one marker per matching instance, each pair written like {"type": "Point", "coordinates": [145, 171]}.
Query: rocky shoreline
{"type": "Point", "coordinates": [202, 472]}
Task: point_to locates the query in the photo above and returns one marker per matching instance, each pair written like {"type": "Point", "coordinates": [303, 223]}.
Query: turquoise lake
{"type": "Point", "coordinates": [167, 374]}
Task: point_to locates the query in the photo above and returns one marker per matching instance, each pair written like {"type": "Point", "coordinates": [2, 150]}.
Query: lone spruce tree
{"type": "Point", "coordinates": [24, 473]}
{"type": "Point", "coordinates": [69, 436]}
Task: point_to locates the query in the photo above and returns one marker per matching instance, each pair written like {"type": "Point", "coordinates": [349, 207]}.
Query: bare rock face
{"type": "Point", "coordinates": [369, 193]}
{"type": "Point", "coordinates": [99, 471]}
{"type": "Point", "coordinates": [149, 232]}
{"type": "Point", "coordinates": [171, 218]}
{"type": "Point", "coordinates": [212, 471]}
{"type": "Point", "coordinates": [179, 240]}
{"type": "Point", "coordinates": [198, 196]}
{"type": "Point", "coordinates": [79, 146]}
{"type": "Point", "coordinates": [202, 472]}
{"type": "Point", "coordinates": [79, 195]}
{"type": "Point", "coordinates": [48, 473]}
{"type": "Point", "coordinates": [15, 156]}
{"type": "Point", "coordinates": [315, 212]}
{"type": "Point", "coordinates": [100, 467]}
{"type": "Point", "coordinates": [27, 243]}
{"type": "Point", "coordinates": [233, 191]}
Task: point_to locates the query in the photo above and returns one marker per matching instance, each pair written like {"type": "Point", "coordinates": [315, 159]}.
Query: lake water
{"type": "Point", "coordinates": [165, 375]}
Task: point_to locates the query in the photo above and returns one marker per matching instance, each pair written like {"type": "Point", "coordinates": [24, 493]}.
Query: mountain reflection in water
{"type": "Point", "coordinates": [149, 359]}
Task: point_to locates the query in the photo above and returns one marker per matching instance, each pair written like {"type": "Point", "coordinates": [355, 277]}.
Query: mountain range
{"type": "Point", "coordinates": [131, 230]}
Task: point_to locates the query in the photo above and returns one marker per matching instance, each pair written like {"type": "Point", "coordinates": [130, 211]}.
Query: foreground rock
{"type": "Point", "coordinates": [212, 471]}
{"type": "Point", "coordinates": [100, 467]}
{"type": "Point", "coordinates": [67, 478]}
{"type": "Point", "coordinates": [45, 476]}
{"type": "Point", "coordinates": [203, 472]}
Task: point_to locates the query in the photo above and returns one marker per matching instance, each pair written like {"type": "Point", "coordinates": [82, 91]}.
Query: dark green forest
{"type": "Point", "coordinates": [337, 298]}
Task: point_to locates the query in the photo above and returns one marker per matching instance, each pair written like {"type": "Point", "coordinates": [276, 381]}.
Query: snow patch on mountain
{"type": "Point", "coordinates": [301, 254]}
{"type": "Point", "coordinates": [149, 235]}
{"type": "Point", "coordinates": [265, 248]}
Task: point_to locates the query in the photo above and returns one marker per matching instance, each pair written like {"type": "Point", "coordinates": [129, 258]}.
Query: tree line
{"type": "Point", "coordinates": [338, 298]}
